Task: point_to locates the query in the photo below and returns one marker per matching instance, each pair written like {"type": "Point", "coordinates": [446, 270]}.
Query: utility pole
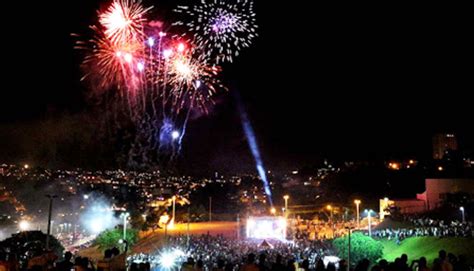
{"type": "Point", "coordinates": [210, 209]}
{"type": "Point", "coordinates": [51, 197]}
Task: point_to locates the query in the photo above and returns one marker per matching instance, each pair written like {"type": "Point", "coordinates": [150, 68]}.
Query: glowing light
{"type": "Point", "coordinates": [167, 53]}
{"type": "Point", "coordinates": [167, 260]}
{"type": "Point", "coordinates": [24, 225]}
{"type": "Point", "coordinates": [162, 34]}
{"type": "Point", "coordinates": [440, 168]}
{"type": "Point", "coordinates": [140, 66]}
{"type": "Point", "coordinates": [96, 225]}
{"type": "Point", "coordinates": [331, 259]}
{"type": "Point", "coordinates": [98, 216]}
{"type": "Point", "coordinates": [86, 196]}
{"type": "Point", "coordinates": [182, 68]}
{"type": "Point", "coordinates": [26, 166]}
{"type": "Point", "coordinates": [181, 47]}
{"type": "Point", "coordinates": [164, 219]}
{"type": "Point", "coordinates": [357, 202]}
{"type": "Point", "coordinates": [273, 210]}
{"type": "Point", "coordinates": [198, 83]}
{"type": "Point", "coordinates": [394, 166]}
{"type": "Point", "coordinates": [151, 41]}
{"type": "Point", "coordinates": [266, 228]}
{"type": "Point", "coordinates": [128, 57]}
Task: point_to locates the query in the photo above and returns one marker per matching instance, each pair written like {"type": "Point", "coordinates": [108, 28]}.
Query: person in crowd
{"type": "Point", "coordinates": [250, 264]}
{"type": "Point", "coordinates": [3, 262]}
{"type": "Point", "coordinates": [65, 264]}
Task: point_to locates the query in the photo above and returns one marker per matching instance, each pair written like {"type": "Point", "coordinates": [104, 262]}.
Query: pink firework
{"type": "Point", "coordinates": [109, 64]}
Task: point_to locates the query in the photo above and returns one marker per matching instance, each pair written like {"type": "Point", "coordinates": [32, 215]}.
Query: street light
{"type": "Point", "coordinates": [174, 210]}
{"type": "Point", "coordinates": [165, 219]}
{"type": "Point", "coordinates": [329, 207]}
{"type": "Point", "coordinates": [210, 209]}
{"type": "Point", "coordinates": [357, 203]}
{"type": "Point", "coordinates": [286, 197]}
{"type": "Point", "coordinates": [125, 216]}
{"type": "Point", "coordinates": [462, 213]}
{"type": "Point", "coordinates": [349, 249]}
{"type": "Point", "coordinates": [273, 211]}
{"type": "Point", "coordinates": [369, 221]}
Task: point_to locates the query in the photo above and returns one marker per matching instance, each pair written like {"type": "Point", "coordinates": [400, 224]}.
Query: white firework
{"type": "Point", "coordinates": [220, 28]}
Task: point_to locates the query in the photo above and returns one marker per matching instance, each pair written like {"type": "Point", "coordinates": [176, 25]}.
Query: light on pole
{"type": "Point", "coordinates": [286, 197]}
{"type": "Point", "coordinates": [462, 214]}
{"type": "Point", "coordinates": [349, 248]}
{"type": "Point", "coordinates": [329, 207]}
{"type": "Point", "coordinates": [125, 216]}
{"type": "Point", "coordinates": [369, 220]}
{"type": "Point", "coordinates": [210, 209]}
{"type": "Point", "coordinates": [273, 211]}
{"type": "Point", "coordinates": [174, 211]}
{"type": "Point", "coordinates": [357, 203]}
{"type": "Point", "coordinates": [51, 197]}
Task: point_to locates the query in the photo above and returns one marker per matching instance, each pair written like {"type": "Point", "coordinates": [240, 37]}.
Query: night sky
{"type": "Point", "coordinates": [345, 82]}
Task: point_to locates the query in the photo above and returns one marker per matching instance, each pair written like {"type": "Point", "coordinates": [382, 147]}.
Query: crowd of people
{"type": "Point", "coordinates": [207, 253]}
{"type": "Point", "coordinates": [428, 227]}
{"type": "Point", "coordinates": [113, 260]}
{"type": "Point", "coordinates": [210, 251]}
{"type": "Point", "coordinates": [319, 229]}
{"type": "Point", "coordinates": [217, 253]}
{"type": "Point", "coordinates": [444, 262]}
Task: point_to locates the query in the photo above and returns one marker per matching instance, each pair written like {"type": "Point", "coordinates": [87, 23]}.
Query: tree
{"type": "Point", "coordinates": [30, 243]}
{"type": "Point", "coordinates": [110, 238]}
{"type": "Point", "coordinates": [362, 247]}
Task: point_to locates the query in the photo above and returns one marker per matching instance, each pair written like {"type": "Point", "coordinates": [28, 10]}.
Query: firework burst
{"type": "Point", "coordinates": [161, 81]}
{"type": "Point", "coordinates": [220, 28]}
{"type": "Point", "coordinates": [111, 65]}
{"type": "Point", "coordinates": [123, 21]}
{"type": "Point", "coordinates": [193, 78]}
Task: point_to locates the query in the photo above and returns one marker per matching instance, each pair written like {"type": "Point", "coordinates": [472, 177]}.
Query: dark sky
{"type": "Point", "coordinates": [321, 80]}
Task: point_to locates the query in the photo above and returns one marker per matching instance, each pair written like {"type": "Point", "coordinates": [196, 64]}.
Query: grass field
{"type": "Point", "coordinates": [429, 247]}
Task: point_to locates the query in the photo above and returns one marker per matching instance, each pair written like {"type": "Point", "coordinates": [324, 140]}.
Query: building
{"type": "Point", "coordinates": [405, 206]}
{"type": "Point", "coordinates": [438, 189]}
{"type": "Point", "coordinates": [442, 144]}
